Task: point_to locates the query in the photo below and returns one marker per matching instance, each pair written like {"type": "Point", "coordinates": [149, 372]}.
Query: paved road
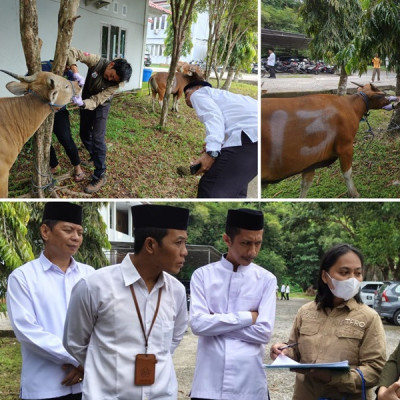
{"type": "Point", "coordinates": [251, 78]}
{"type": "Point", "coordinates": [301, 84]}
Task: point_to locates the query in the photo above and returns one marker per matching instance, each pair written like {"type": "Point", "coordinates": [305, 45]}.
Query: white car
{"type": "Point", "coordinates": [368, 291]}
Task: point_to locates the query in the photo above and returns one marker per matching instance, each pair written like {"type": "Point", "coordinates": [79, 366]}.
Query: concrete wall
{"type": "Point", "coordinates": [87, 34]}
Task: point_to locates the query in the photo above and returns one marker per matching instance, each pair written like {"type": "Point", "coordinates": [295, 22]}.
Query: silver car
{"type": "Point", "coordinates": [387, 302]}
{"type": "Point", "coordinates": [368, 291]}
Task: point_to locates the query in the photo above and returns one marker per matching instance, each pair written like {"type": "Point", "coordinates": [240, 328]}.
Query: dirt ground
{"type": "Point", "coordinates": [280, 382]}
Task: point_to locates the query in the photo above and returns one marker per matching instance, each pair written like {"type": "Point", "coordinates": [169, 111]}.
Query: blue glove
{"type": "Point", "coordinates": [393, 98]}
{"type": "Point", "coordinates": [77, 100]}
{"type": "Point", "coordinates": [389, 107]}
{"type": "Point", "coordinates": [79, 78]}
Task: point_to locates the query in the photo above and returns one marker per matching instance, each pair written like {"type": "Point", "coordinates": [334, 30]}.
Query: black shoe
{"type": "Point", "coordinates": [95, 185]}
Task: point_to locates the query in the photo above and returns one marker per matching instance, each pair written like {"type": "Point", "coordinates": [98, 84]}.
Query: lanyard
{"type": "Point", "coordinates": [146, 337]}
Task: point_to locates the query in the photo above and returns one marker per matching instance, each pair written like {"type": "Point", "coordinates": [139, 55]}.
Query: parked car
{"type": "Point", "coordinates": [147, 60]}
{"type": "Point", "coordinates": [368, 291]}
{"type": "Point", "coordinates": [387, 302]}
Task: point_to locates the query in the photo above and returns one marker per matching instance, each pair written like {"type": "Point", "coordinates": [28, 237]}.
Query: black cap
{"type": "Point", "coordinates": [63, 211]}
{"type": "Point", "coordinates": [158, 216]}
{"type": "Point", "coordinates": [245, 218]}
{"type": "Point", "coordinates": [196, 83]}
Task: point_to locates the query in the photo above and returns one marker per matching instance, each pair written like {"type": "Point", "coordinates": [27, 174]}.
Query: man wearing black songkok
{"type": "Point", "coordinates": [37, 299]}
{"type": "Point", "coordinates": [232, 310]}
{"type": "Point", "coordinates": [133, 311]}
{"type": "Point", "coordinates": [229, 159]}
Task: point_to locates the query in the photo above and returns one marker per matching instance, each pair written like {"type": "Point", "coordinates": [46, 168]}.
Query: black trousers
{"type": "Point", "coordinates": [231, 172]}
{"type": "Point", "coordinates": [93, 136]}
{"type": "Point", "coordinates": [76, 396]}
{"type": "Point", "coordinates": [271, 71]}
{"type": "Point", "coordinates": [62, 130]}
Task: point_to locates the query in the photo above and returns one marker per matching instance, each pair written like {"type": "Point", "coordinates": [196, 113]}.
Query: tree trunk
{"type": "Point", "coordinates": [181, 12]}
{"type": "Point", "coordinates": [229, 79]}
{"type": "Point", "coordinates": [31, 43]}
{"type": "Point", "coordinates": [394, 124]}
{"type": "Point", "coordinates": [342, 87]}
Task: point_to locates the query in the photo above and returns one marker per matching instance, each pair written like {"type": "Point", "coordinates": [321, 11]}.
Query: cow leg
{"type": "Point", "coordinates": [351, 189]}
{"type": "Point", "coordinates": [346, 161]}
{"type": "Point", "coordinates": [4, 186]}
{"type": "Point", "coordinates": [306, 181]}
{"type": "Point", "coordinates": [175, 103]}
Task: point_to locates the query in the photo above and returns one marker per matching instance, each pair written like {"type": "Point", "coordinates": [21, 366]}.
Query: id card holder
{"type": "Point", "coordinates": [145, 369]}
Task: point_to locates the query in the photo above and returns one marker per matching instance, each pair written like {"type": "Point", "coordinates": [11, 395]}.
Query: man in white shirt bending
{"type": "Point", "coordinates": [37, 299]}
{"type": "Point", "coordinates": [233, 312]}
{"type": "Point", "coordinates": [132, 313]}
{"type": "Point", "coordinates": [229, 160]}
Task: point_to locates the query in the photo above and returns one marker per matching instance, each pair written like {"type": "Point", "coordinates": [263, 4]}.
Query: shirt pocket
{"type": "Point", "coordinates": [309, 328]}
{"type": "Point", "coordinates": [349, 343]}
{"type": "Point", "coordinates": [167, 333]}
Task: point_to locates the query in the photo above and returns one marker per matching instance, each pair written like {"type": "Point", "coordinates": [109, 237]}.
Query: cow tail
{"type": "Point", "coordinates": [153, 85]}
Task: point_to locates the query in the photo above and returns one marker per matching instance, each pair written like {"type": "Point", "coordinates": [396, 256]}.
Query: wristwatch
{"type": "Point", "coordinates": [213, 154]}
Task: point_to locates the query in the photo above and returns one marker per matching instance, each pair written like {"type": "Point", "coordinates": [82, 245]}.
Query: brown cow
{"type": "Point", "coordinates": [158, 84]}
{"type": "Point", "coordinates": [301, 134]}
{"type": "Point", "coordinates": [21, 116]}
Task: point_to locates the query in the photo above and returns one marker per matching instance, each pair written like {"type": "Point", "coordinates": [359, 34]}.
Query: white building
{"type": "Point", "coordinates": [112, 28]}
{"type": "Point", "coordinates": [156, 34]}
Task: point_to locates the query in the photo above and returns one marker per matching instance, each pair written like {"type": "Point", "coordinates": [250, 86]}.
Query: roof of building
{"type": "Point", "coordinates": [281, 39]}
{"type": "Point", "coordinates": [159, 8]}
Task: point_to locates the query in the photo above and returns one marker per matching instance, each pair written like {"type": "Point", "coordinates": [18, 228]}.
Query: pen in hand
{"type": "Point", "coordinates": [288, 346]}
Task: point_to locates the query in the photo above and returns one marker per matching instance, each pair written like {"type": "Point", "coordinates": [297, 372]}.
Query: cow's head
{"type": "Point", "coordinates": [190, 70]}
{"type": "Point", "coordinates": [376, 98]}
{"type": "Point", "coordinates": [52, 88]}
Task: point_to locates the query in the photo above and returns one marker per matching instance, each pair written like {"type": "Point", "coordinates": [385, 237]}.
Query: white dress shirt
{"type": "Point", "coordinates": [225, 115]}
{"type": "Point", "coordinates": [103, 332]}
{"type": "Point", "coordinates": [38, 294]}
{"type": "Point", "coordinates": [230, 348]}
{"type": "Point", "coordinates": [271, 59]}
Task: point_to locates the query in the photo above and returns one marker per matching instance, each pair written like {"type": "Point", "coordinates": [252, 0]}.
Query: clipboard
{"type": "Point", "coordinates": [283, 361]}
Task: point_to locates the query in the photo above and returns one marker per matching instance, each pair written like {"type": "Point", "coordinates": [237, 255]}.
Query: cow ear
{"type": "Point", "coordinates": [374, 88]}
{"type": "Point", "coordinates": [17, 88]}
{"type": "Point", "coordinates": [50, 83]}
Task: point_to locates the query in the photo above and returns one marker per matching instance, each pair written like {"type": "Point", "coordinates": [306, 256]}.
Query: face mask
{"type": "Point", "coordinates": [345, 289]}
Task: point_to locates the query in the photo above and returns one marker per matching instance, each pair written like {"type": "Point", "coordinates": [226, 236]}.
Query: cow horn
{"type": "Point", "coordinates": [357, 84]}
{"type": "Point", "coordinates": [21, 78]}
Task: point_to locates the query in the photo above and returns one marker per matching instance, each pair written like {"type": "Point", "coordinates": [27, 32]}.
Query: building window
{"type": "Point", "coordinates": [116, 8]}
{"type": "Point", "coordinates": [122, 222]}
{"type": "Point", "coordinates": [124, 10]}
{"type": "Point", "coordinates": [152, 23]}
{"type": "Point", "coordinates": [113, 42]}
{"type": "Point", "coordinates": [163, 21]}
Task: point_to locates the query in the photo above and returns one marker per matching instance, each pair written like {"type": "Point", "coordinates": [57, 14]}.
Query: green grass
{"type": "Point", "coordinates": [10, 368]}
{"type": "Point", "coordinates": [142, 160]}
{"type": "Point", "coordinates": [376, 168]}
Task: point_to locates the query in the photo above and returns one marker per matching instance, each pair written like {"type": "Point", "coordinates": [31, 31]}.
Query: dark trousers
{"type": "Point", "coordinates": [62, 130]}
{"type": "Point", "coordinates": [271, 71]}
{"type": "Point", "coordinates": [231, 172]}
{"type": "Point", "coordinates": [283, 297]}
{"type": "Point", "coordinates": [93, 136]}
{"type": "Point", "coordinates": [76, 396]}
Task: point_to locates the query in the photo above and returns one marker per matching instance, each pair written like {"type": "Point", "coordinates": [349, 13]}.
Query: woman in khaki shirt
{"type": "Point", "coordinates": [337, 326]}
